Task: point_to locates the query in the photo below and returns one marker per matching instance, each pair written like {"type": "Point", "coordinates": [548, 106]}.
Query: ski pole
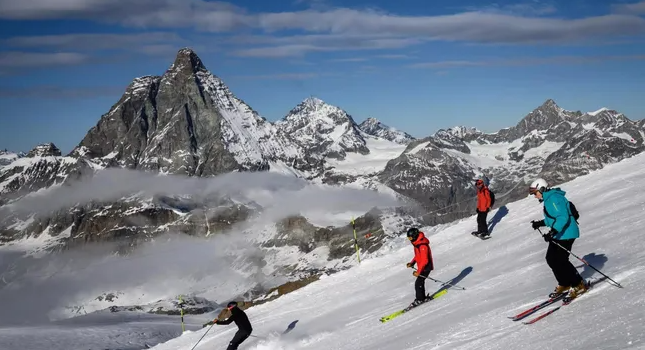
{"type": "Point", "coordinates": [436, 280]}
{"type": "Point", "coordinates": [450, 284]}
{"type": "Point", "coordinates": [583, 260]}
{"type": "Point", "coordinates": [200, 339]}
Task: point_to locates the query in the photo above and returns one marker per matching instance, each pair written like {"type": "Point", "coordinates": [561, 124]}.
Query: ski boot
{"type": "Point", "coordinates": [417, 302]}
{"type": "Point", "coordinates": [559, 290]}
{"type": "Point", "coordinates": [576, 291]}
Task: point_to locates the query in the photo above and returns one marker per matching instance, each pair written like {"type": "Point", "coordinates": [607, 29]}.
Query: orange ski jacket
{"type": "Point", "coordinates": [483, 198]}
{"type": "Point", "coordinates": [422, 253]}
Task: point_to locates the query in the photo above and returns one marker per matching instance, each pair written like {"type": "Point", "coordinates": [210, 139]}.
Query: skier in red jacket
{"type": "Point", "coordinates": [483, 207]}
{"type": "Point", "coordinates": [423, 259]}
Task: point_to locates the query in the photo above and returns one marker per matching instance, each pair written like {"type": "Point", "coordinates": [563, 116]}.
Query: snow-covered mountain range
{"type": "Point", "coordinates": [188, 122]}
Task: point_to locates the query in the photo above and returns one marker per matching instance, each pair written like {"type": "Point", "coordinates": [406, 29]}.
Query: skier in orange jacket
{"type": "Point", "coordinates": [423, 260]}
{"type": "Point", "coordinates": [483, 207]}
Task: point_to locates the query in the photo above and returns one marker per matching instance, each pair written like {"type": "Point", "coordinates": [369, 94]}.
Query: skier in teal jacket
{"type": "Point", "coordinates": [564, 231]}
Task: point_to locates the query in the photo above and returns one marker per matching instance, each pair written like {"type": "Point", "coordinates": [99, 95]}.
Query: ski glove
{"type": "Point", "coordinates": [537, 224]}
{"type": "Point", "coordinates": [409, 265]}
{"type": "Point", "coordinates": [549, 236]}
{"type": "Point", "coordinates": [415, 274]}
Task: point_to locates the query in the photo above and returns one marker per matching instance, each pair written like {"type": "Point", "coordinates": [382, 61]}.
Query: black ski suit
{"type": "Point", "coordinates": [243, 324]}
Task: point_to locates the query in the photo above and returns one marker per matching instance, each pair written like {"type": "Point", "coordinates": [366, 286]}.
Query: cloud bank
{"type": "Point", "coordinates": [67, 284]}
{"type": "Point", "coordinates": [283, 195]}
{"type": "Point", "coordinates": [222, 266]}
{"type": "Point", "coordinates": [319, 28]}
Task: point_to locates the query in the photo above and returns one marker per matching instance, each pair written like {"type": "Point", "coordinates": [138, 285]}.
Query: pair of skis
{"type": "Point", "coordinates": [530, 311]}
{"type": "Point", "coordinates": [401, 312]}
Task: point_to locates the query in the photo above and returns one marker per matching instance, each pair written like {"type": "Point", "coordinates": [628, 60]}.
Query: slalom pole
{"type": "Point", "coordinates": [586, 263]}
{"type": "Point", "coordinates": [181, 307]}
{"type": "Point", "coordinates": [356, 240]}
{"type": "Point", "coordinates": [442, 282]}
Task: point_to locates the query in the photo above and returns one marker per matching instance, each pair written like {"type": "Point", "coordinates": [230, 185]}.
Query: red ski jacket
{"type": "Point", "coordinates": [422, 253]}
{"type": "Point", "coordinates": [483, 199]}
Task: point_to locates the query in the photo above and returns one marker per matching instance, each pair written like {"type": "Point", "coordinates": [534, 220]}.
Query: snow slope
{"type": "Point", "coordinates": [503, 276]}
{"type": "Point", "coordinates": [381, 152]}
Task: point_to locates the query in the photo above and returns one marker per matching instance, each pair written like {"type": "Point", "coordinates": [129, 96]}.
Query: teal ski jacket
{"type": "Point", "coordinates": [557, 214]}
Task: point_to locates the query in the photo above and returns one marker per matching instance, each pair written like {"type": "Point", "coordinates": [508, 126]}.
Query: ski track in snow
{"type": "Point", "coordinates": [503, 276]}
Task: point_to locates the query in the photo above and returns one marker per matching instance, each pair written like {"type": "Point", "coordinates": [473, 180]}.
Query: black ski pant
{"type": "Point", "coordinates": [482, 226]}
{"type": "Point", "coordinates": [238, 338]}
{"type": "Point", "coordinates": [420, 283]}
{"type": "Point", "coordinates": [558, 259]}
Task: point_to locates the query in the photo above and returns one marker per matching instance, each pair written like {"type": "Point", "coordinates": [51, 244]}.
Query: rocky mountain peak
{"type": "Point", "coordinates": [323, 129]}
{"type": "Point", "coordinates": [550, 103]}
{"type": "Point", "coordinates": [44, 150]}
{"type": "Point", "coordinates": [184, 69]}
{"type": "Point", "coordinates": [313, 102]}
{"type": "Point", "coordinates": [375, 127]}
{"type": "Point", "coordinates": [460, 131]}
{"type": "Point", "coordinates": [187, 59]}
{"type": "Point", "coordinates": [186, 122]}
{"type": "Point", "coordinates": [547, 115]}
{"type": "Point", "coordinates": [315, 108]}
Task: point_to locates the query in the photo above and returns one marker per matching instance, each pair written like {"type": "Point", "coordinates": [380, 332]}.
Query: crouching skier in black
{"type": "Point", "coordinates": [243, 324]}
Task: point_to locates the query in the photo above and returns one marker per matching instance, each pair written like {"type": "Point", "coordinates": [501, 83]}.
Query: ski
{"type": "Point", "coordinates": [543, 315]}
{"type": "Point", "coordinates": [565, 301]}
{"type": "Point", "coordinates": [401, 312]}
{"type": "Point", "coordinates": [537, 307]}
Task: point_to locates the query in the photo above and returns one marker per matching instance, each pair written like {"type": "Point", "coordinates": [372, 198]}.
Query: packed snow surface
{"type": "Point", "coordinates": [502, 276]}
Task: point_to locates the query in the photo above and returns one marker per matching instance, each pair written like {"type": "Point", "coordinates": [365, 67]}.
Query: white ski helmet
{"type": "Point", "coordinates": [538, 185]}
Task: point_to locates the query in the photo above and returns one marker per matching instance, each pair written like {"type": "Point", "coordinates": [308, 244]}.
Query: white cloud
{"type": "Point", "coordinates": [474, 26]}
{"type": "Point", "coordinates": [94, 41]}
{"type": "Point", "coordinates": [529, 61]}
{"type": "Point", "coordinates": [35, 59]}
{"type": "Point", "coordinates": [635, 8]}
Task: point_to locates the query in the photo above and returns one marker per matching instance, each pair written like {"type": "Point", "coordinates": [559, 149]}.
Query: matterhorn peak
{"type": "Point", "coordinates": [187, 61]}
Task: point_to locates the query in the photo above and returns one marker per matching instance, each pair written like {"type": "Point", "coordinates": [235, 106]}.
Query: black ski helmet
{"type": "Point", "coordinates": [413, 233]}
{"type": "Point", "coordinates": [231, 304]}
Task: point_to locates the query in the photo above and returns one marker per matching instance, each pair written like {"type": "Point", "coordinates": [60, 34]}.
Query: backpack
{"type": "Point", "coordinates": [574, 211]}
{"type": "Point", "coordinates": [492, 198]}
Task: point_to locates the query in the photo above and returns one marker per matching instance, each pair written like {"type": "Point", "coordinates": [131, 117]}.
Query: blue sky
{"type": "Point", "coordinates": [417, 65]}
